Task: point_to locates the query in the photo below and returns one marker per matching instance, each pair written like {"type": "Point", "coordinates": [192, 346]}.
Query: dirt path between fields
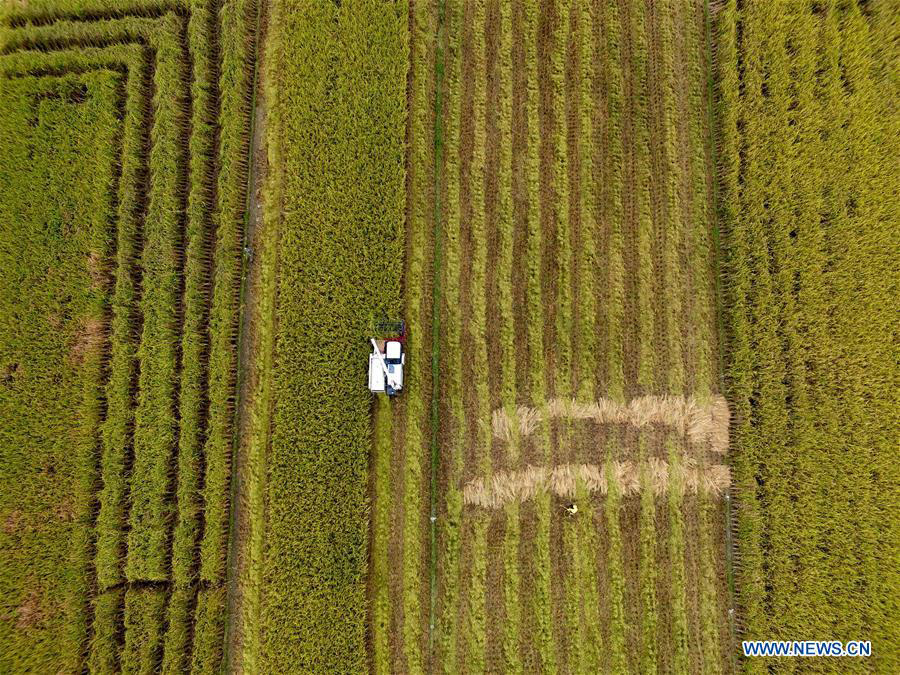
{"type": "Point", "coordinates": [248, 376]}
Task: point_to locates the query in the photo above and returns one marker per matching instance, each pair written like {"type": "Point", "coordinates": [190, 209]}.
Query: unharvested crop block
{"type": "Point", "coordinates": [161, 427]}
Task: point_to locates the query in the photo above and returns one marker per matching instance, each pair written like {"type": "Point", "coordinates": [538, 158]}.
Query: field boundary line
{"type": "Point", "coordinates": [232, 573]}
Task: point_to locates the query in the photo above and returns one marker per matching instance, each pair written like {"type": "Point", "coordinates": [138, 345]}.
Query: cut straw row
{"type": "Point", "coordinates": [505, 487]}
{"type": "Point", "coordinates": [700, 423]}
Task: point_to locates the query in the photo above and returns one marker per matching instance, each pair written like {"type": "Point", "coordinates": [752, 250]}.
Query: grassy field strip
{"type": "Point", "coordinates": [451, 374]}
{"type": "Point", "coordinates": [716, 644]}
{"type": "Point", "coordinates": [104, 646]}
{"type": "Point", "coordinates": [186, 36]}
{"type": "Point", "coordinates": [693, 239]}
{"type": "Point", "coordinates": [803, 265]}
{"type": "Point", "coordinates": [615, 583]}
{"type": "Point", "coordinates": [380, 572]}
{"type": "Point", "coordinates": [145, 615]}
{"type": "Point", "coordinates": [195, 375]}
{"type": "Point", "coordinates": [512, 610]}
{"type": "Point", "coordinates": [857, 383]}
{"type": "Point", "coordinates": [615, 151]}
{"type": "Point", "coordinates": [111, 517]}
{"type": "Point", "coordinates": [468, 633]}
{"type": "Point", "coordinates": [260, 397]}
{"type": "Point", "coordinates": [540, 606]}
{"type": "Point", "coordinates": [587, 613]}
{"type": "Point", "coordinates": [834, 478]}
{"type": "Point", "coordinates": [104, 632]}
{"type": "Point", "coordinates": [585, 357]}
{"type": "Point", "coordinates": [68, 58]}
{"type": "Point", "coordinates": [108, 558]}
{"type": "Point", "coordinates": [473, 631]}
{"type": "Point", "coordinates": [818, 114]}
{"type": "Point", "coordinates": [672, 380]}
{"type": "Point", "coordinates": [775, 421]}
{"type": "Point", "coordinates": [567, 605]}
{"type": "Point", "coordinates": [119, 389]}
{"type": "Point", "coordinates": [875, 423]}
{"type": "Point", "coordinates": [757, 166]}
{"type": "Point", "coordinates": [475, 642]}
{"type": "Point", "coordinates": [640, 629]}
{"type": "Point", "coordinates": [233, 40]}
{"type": "Point", "coordinates": [416, 416]}
{"type": "Point", "coordinates": [749, 530]}
{"type": "Point", "coordinates": [155, 418]}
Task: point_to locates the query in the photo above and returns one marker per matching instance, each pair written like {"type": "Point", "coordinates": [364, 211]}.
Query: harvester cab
{"type": "Point", "coordinates": [387, 359]}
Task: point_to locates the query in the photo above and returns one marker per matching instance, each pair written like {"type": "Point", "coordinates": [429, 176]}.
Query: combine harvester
{"type": "Point", "coordinates": [387, 360]}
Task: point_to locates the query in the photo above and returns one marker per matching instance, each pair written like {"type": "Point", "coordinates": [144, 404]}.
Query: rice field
{"type": "Point", "coordinates": [132, 116]}
{"type": "Point", "coordinates": [810, 211]}
{"type": "Point", "coordinates": [645, 255]}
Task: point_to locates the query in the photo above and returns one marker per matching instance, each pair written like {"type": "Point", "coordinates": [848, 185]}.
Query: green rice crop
{"type": "Point", "coordinates": [168, 212]}
{"type": "Point", "coordinates": [808, 337]}
{"type": "Point", "coordinates": [63, 134]}
{"type": "Point", "coordinates": [145, 615]}
{"type": "Point", "coordinates": [336, 122]}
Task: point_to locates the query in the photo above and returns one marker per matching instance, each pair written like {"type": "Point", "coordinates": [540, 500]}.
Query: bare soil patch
{"type": "Point", "coordinates": [30, 614]}
{"type": "Point", "coordinates": [89, 339]}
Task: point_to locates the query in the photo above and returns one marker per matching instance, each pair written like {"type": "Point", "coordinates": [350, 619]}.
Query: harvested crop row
{"type": "Point", "coordinates": [402, 490]}
{"type": "Point", "coordinates": [808, 363]}
{"type": "Point", "coordinates": [452, 418]}
{"type": "Point", "coordinates": [551, 228]}
{"type": "Point", "coordinates": [58, 133]}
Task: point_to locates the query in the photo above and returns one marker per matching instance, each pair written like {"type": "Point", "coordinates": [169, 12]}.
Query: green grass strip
{"type": "Point", "coordinates": [644, 221]}
{"type": "Point", "coordinates": [586, 258]}
{"type": "Point", "coordinates": [617, 659]}
{"type": "Point", "coordinates": [416, 298]}
{"type": "Point", "coordinates": [511, 639]}
{"type": "Point", "coordinates": [116, 428]}
{"type": "Point", "coordinates": [104, 647]}
{"type": "Point", "coordinates": [615, 102]}
{"type": "Point", "coordinates": [449, 309]}
{"type": "Point", "coordinates": [260, 397]}
{"type": "Point", "coordinates": [209, 631]}
{"type": "Point", "coordinates": [615, 647]}
{"type": "Point", "coordinates": [380, 572]}
{"type": "Point", "coordinates": [568, 627]}
{"type": "Point", "coordinates": [237, 26]}
{"type": "Point", "coordinates": [697, 235]}
{"type": "Point", "coordinates": [541, 603]}
{"type": "Point", "coordinates": [474, 625]}
{"type": "Point", "coordinates": [437, 276]}
{"type": "Point", "coordinates": [155, 421]}
{"type": "Point", "coordinates": [590, 647]}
